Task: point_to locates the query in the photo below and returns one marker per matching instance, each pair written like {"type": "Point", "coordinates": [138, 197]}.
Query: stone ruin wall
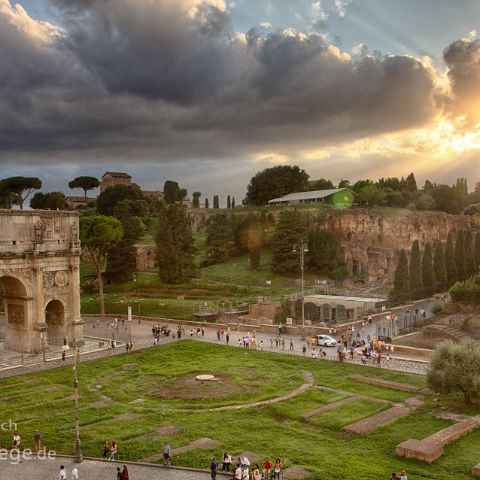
{"type": "Point", "coordinates": [372, 240]}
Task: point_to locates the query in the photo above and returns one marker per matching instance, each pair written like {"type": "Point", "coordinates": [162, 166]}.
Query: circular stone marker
{"type": "Point", "coordinates": [206, 378]}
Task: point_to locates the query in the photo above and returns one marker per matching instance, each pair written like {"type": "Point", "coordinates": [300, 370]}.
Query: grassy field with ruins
{"type": "Point", "coordinates": [144, 398]}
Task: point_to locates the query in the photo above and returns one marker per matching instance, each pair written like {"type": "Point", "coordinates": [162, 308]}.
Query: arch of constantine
{"type": "Point", "coordinates": [39, 279]}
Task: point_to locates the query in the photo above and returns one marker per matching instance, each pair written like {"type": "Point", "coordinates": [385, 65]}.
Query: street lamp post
{"type": "Point", "coordinates": [78, 458]}
{"type": "Point", "coordinates": [303, 248]}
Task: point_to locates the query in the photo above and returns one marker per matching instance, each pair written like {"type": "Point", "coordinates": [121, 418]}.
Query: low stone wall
{"type": "Point", "coordinates": [431, 448]}
{"type": "Point", "coordinates": [417, 352]}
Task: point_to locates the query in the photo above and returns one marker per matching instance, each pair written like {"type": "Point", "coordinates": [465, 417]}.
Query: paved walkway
{"type": "Point", "coordinates": [93, 470]}
{"type": "Point", "coordinates": [142, 338]}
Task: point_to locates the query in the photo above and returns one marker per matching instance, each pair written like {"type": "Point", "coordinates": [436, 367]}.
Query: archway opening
{"type": "Point", "coordinates": [13, 312]}
{"type": "Point", "coordinates": [55, 320]}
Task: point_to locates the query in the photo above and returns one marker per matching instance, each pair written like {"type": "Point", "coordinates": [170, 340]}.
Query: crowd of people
{"type": "Point", "coordinates": [244, 470]}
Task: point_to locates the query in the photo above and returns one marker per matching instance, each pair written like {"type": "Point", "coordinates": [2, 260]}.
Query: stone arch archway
{"type": "Point", "coordinates": [55, 320]}
{"type": "Point", "coordinates": [16, 306]}
{"type": "Point", "coordinates": [40, 278]}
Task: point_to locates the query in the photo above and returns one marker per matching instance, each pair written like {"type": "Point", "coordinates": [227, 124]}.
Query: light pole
{"type": "Point", "coordinates": [78, 458]}
{"type": "Point", "coordinates": [136, 279]}
{"type": "Point", "coordinates": [303, 248]}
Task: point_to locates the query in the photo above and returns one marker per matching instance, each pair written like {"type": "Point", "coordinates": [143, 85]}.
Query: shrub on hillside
{"type": "Point", "coordinates": [467, 291]}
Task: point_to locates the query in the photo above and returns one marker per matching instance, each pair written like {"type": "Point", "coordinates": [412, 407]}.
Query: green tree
{"type": "Point", "coordinates": [49, 201]}
{"type": "Point", "coordinates": [289, 231]}
{"type": "Point", "coordinates": [233, 202]}
{"type": "Point", "coordinates": [220, 240]}
{"type": "Point", "coordinates": [450, 261]}
{"type": "Point", "coordinates": [216, 201]}
{"type": "Point", "coordinates": [428, 275]}
{"type": "Point", "coordinates": [460, 261]}
{"type": "Point", "coordinates": [477, 250]}
{"type": "Point", "coordinates": [196, 199]}
{"type": "Point", "coordinates": [206, 203]}
{"type": "Point", "coordinates": [324, 252]}
{"type": "Point", "coordinates": [455, 367]}
{"type": "Point", "coordinates": [18, 189]}
{"type": "Point", "coordinates": [411, 183]}
{"type": "Point", "coordinates": [440, 267]}
{"type": "Point", "coordinates": [276, 182]}
{"type": "Point", "coordinates": [469, 254]}
{"type": "Point", "coordinates": [372, 195]}
{"type": "Point", "coordinates": [401, 284]}
{"type": "Point", "coordinates": [85, 183]}
{"type": "Point", "coordinates": [170, 191]}
{"type": "Point", "coordinates": [175, 244]}
{"type": "Point", "coordinates": [229, 202]}
{"type": "Point", "coordinates": [108, 199]}
{"type": "Point", "coordinates": [320, 184]}
{"type": "Point", "coordinates": [344, 183]}
{"type": "Point", "coordinates": [415, 272]}
{"type": "Point", "coordinates": [97, 233]}
{"type": "Point", "coordinates": [122, 254]}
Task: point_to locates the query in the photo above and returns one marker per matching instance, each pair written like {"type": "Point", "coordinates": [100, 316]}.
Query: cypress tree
{"type": "Point", "coordinates": [233, 202]}
{"type": "Point", "coordinates": [401, 284]}
{"type": "Point", "coordinates": [428, 274]}
{"type": "Point", "coordinates": [415, 272]}
{"type": "Point", "coordinates": [290, 230]}
{"type": "Point", "coordinates": [220, 240]}
{"type": "Point", "coordinates": [440, 267]}
{"type": "Point", "coordinates": [175, 245]}
{"type": "Point", "coordinates": [460, 256]}
{"type": "Point", "coordinates": [229, 202]}
{"type": "Point", "coordinates": [216, 201]}
{"type": "Point", "coordinates": [450, 261]}
{"type": "Point", "coordinates": [206, 203]}
{"type": "Point", "coordinates": [476, 252]}
{"type": "Point", "coordinates": [469, 254]}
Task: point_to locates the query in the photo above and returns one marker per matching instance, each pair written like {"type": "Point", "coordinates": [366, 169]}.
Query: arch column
{"type": "Point", "coordinates": [39, 326]}
{"type": "Point", "coordinates": [76, 331]}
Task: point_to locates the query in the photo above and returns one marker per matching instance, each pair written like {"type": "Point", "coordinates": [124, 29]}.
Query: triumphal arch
{"type": "Point", "coordinates": [39, 279]}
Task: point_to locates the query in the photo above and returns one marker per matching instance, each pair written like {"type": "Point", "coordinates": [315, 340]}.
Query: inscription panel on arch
{"type": "Point", "coordinates": [16, 314]}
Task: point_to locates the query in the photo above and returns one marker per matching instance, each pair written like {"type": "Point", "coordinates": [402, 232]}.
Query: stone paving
{"type": "Point", "coordinates": [94, 470]}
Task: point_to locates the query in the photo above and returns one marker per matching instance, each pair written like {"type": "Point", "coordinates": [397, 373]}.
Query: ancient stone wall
{"type": "Point", "coordinates": [373, 239]}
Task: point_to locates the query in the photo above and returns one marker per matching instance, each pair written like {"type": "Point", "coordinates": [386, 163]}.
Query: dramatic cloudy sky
{"type": "Point", "coordinates": [209, 92]}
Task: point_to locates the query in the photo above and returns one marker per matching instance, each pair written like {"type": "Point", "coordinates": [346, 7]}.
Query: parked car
{"type": "Point", "coordinates": [325, 341]}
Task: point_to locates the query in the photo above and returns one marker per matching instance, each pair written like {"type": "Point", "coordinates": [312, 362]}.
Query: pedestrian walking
{"type": "Point", "coordinates": [113, 452]}
{"type": "Point", "coordinates": [213, 468]}
{"type": "Point", "coordinates": [227, 338]}
{"type": "Point", "coordinates": [167, 452]}
{"type": "Point", "coordinates": [267, 467]}
{"type": "Point", "coordinates": [37, 440]}
{"type": "Point", "coordinates": [125, 473]}
{"type": "Point", "coordinates": [106, 449]}
{"type": "Point", "coordinates": [291, 345]}
{"type": "Point", "coordinates": [119, 473]}
{"type": "Point", "coordinates": [74, 474]}
{"type": "Point", "coordinates": [63, 473]}
{"type": "Point", "coordinates": [277, 469]}
{"type": "Point", "coordinates": [227, 461]}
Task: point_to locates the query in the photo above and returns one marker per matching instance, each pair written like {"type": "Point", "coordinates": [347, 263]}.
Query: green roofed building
{"type": "Point", "coordinates": [337, 197]}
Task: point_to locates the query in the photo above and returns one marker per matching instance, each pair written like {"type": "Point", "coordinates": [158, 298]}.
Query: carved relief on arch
{"type": "Point", "coordinates": [23, 274]}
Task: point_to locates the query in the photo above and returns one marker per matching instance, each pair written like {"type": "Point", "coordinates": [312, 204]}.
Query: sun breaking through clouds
{"type": "Point", "coordinates": [169, 82]}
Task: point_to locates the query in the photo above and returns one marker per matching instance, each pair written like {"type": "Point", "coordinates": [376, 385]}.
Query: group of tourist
{"type": "Point", "coordinates": [244, 470]}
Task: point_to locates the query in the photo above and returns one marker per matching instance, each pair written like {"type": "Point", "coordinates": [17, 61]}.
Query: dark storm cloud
{"type": "Point", "coordinates": [462, 58]}
{"type": "Point", "coordinates": [167, 79]}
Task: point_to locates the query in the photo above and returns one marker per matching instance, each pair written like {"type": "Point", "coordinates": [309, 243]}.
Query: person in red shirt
{"type": "Point", "coordinates": [267, 468]}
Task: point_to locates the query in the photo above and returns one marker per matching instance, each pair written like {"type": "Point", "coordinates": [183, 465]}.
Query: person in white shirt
{"type": "Point", "coordinates": [63, 473]}
{"type": "Point", "coordinates": [238, 472]}
{"type": "Point", "coordinates": [245, 461]}
{"type": "Point", "coordinates": [75, 473]}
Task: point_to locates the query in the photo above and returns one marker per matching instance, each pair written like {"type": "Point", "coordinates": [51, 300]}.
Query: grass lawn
{"type": "Point", "coordinates": [145, 390]}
